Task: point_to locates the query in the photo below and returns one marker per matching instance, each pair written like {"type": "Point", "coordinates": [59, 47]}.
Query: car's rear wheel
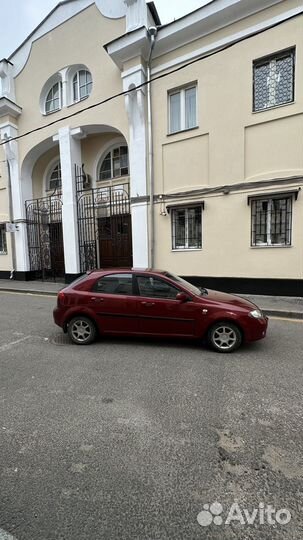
{"type": "Point", "coordinates": [224, 337]}
{"type": "Point", "coordinates": [82, 330]}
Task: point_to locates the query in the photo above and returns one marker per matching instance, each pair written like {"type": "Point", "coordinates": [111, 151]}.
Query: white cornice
{"type": "Point", "coordinates": [7, 107]}
{"type": "Point", "coordinates": [60, 14]}
{"type": "Point", "coordinates": [202, 22]}
{"type": "Point", "coordinates": [229, 40]}
{"type": "Point", "coordinates": [206, 20]}
{"type": "Point", "coordinates": [129, 46]}
{"type": "Point", "coordinates": [65, 10]}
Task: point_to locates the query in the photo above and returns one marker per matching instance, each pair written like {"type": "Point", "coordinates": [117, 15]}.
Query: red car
{"type": "Point", "coordinates": [155, 303]}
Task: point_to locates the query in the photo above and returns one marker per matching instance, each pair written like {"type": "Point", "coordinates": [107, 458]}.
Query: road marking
{"type": "Point", "coordinates": [7, 346]}
{"type": "Point", "coordinates": [6, 536]}
{"type": "Point", "coordinates": [286, 319]}
{"type": "Point", "coordinates": [29, 294]}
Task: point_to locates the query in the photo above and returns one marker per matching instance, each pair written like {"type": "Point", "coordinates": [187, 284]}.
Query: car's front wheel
{"type": "Point", "coordinates": [224, 337]}
{"type": "Point", "coordinates": [81, 330]}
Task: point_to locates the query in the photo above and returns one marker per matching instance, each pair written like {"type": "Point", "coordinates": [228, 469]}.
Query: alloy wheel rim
{"type": "Point", "coordinates": [81, 331]}
{"type": "Point", "coordinates": [224, 337]}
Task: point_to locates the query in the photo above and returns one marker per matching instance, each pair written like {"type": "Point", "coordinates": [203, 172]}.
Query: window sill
{"type": "Point", "coordinates": [78, 101]}
{"type": "Point", "coordinates": [52, 112]}
{"type": "Point", "coordinates": [276, 246]}
{"type": "Point", "coordinates": [111, 180]}
{"type": "Point", "coordinates": [274, 107]}
{"type": "Point", "coordinates": [182, 131]}
{"type": "Point", "coordinates": [186, 249]}
{"type": "Point", "coordinates": [3, 253]}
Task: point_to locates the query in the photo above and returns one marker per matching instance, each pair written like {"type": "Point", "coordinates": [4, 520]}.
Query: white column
{"type": "Point", "coordinates": [135, 106]}
{"type": "Point", "coordinates": [65, 90]}
{"type": "Point", "coordinates": [7, 87]}
{"type": "Point", "coordinates": [70, 155]}
{"type": "Point", "coordinates": [19, 194]}
{"type": "Point", "coordinates": [136, 14]}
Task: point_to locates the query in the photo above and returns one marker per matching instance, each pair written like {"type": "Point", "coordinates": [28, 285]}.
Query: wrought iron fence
{"type": "Point", "coordinates": [45, 237]}
{"type": "Point", "coordinates": [104, 223]}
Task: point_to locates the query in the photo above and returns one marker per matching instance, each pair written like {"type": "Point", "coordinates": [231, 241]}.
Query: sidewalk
{"type": "Point", "coordinates": [277, 306]}
{"type": "Point", "coordinates": [31, 287]}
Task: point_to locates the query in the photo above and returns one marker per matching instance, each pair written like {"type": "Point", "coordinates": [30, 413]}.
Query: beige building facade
{"type": "Point", "coordinates": [199, 172]}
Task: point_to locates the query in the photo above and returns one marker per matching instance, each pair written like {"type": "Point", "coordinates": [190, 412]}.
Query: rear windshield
{"type": "Point", "coordinates": [78, 280]}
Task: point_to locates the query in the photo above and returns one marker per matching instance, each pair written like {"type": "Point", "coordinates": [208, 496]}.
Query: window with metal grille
{"type": "Point", "coordinates": [82, 85]}
{"type": "Point", "coordinates": [55, 181]}
{"type": "Point", "coordinates": [182, 109]}
{"type": "Point", "coordinates": [187, 228]}
{"type": "Point", "coordinates": [274, 80]}
{"type": "Point", "coordinates": [271, 221]}
{"type": "Point", "coordinates": [114, 164]}
{"type": "Point", "coordinates": [3, 244]}
{"type": "Point", "coordinates": [53, 100]}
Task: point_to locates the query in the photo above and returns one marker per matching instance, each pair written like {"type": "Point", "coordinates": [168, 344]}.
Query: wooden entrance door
{"type": "Point", "coordinates": [56, 249]}
{"type": "Point", "coordinates": [115, 241]}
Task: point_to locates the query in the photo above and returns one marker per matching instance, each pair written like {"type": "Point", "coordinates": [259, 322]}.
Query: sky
{"type": "Point", "coordinates": [20, 17]}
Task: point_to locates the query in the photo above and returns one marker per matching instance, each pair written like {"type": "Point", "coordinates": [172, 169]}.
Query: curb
{"type": "Point", "coordinates": [29, 291]}
{"type": "Point", "coordinates": [283, 314]}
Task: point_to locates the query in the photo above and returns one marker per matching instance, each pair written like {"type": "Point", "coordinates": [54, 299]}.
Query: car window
{"type": "Point", "coordinates": [184, 283]}
{"type": "Point", "coordinates": [156, 288]}
{"type": "Point", "coordinates": [115, 284]}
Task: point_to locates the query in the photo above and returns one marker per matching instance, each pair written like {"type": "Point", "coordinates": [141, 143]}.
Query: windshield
{"type": "Point", "coordinates": [195, 290]}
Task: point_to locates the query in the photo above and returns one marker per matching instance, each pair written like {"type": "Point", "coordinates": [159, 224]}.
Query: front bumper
{"type": "Point", "coordinates": [256, 329]}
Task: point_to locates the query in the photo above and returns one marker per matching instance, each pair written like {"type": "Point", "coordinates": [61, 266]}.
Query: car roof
{"type": "Point", "coordinates": [102, 271]}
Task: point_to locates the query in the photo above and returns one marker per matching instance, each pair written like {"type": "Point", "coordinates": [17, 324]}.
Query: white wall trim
{"type": "Point", "coordinates": [234, 38]}
{"type": "Point", "coordinates": [48, 85]}
{"type": "Point", "coordinates": [70, 73]}
{"type": "Point", "coordinates": [132, 70]}
{"type": "Point", "coordinates": [8, 124]}
{"type": "Point", "coordinates": [62, 13]}
{"type": "Point", "coordinates": [20, 193]}
{"type": "Point", "coordinates": [117, 141]}
{"type": "Point", "coordinates": [139, 213]}
{"type": "Point", "coordinates": [206, 20]}
{"type": "Point", "coordinates": [70, 154]}
{"type": "Point", "coordinates": [51, 165]}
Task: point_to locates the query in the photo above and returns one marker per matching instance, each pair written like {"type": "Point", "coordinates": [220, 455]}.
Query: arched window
{"type": "Point", "coordinates": [82, 85]}
{"type": "Point", "coordinates": [54, 178]}
{"type": "Point", "coordinates": [115, 163]}
{"type": "Point", "coordinates": [53, 101]}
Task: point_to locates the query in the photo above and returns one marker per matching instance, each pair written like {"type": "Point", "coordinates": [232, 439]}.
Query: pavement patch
{"type": "Point", "coordinates": [8, 346]}
{"type": "Point", "coordinates": [290, 465]}
{"type": "Point", "coordinates": [6, 536]}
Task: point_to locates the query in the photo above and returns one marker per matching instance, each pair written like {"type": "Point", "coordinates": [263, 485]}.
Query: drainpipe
{"type": "Point", "coordinates": [152, 32]}
{"type": "Point", "coordinates": [10, 217]}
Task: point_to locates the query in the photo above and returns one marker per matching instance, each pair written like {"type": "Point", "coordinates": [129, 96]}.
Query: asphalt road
{"type": "Point", "coordinates": [128, 439]}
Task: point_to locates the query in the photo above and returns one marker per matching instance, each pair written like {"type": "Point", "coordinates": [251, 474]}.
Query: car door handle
{"type": "Point", "coordinates": [148, 304]}
{"type": "Point", "coordinates": [97, 299]}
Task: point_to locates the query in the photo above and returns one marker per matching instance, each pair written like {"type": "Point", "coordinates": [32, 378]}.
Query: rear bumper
{"type": "Point", "coordinates": [58, 317]}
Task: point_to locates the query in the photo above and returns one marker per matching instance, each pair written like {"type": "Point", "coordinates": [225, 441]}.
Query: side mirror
{"type": "Point", "coordinates": [182, 297]}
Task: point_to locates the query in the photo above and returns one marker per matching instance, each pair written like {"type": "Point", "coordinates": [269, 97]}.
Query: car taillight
{"type": "Point", "coordinates": [60, 299]}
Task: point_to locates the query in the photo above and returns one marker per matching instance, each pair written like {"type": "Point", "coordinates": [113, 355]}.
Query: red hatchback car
{"type": "Point", "coordinates": [155, 303]}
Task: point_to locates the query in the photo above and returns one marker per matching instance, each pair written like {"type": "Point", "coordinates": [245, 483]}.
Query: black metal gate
{"type": "Point", "coordinates": [104, 224]}
{"type": "Point", "coordinates": [45, 237]}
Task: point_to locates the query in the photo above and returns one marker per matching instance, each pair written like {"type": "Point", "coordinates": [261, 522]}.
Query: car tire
{"type": "Point", "coordinates": [82, 330]}
{"type": "Point", "coordinates": [224, 337]}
